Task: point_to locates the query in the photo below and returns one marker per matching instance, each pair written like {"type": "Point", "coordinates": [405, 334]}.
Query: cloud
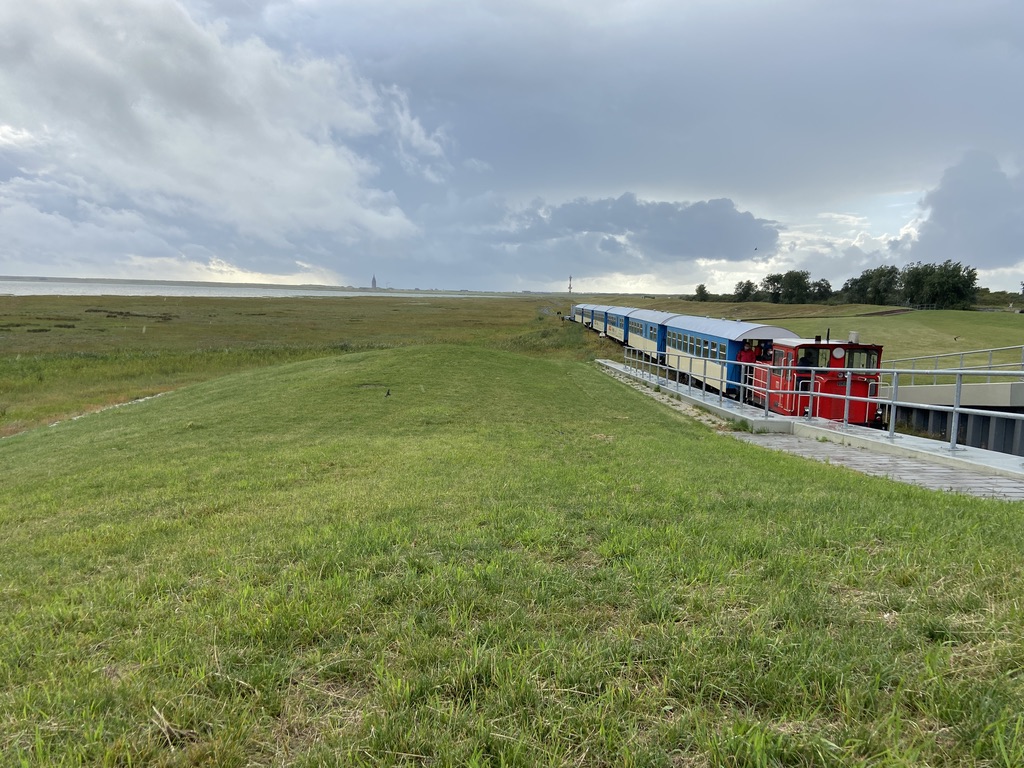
{"type": "Point", "coordinates": [497, 146]}
{"type": "Point", "coordinates": [138, 108]}
{"type": "Point", "coordinates": [974, 216]}
{"type": "Point", "coordinates": [656, 231]}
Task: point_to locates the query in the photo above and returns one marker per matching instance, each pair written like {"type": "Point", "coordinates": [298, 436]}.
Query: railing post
{"type": "Point", "coordinates": [810, 396]}
{"type": "Point", "coordinates": [892, 403]}
{"type": "Point", "coordinates": [768, 391]}
{"type": "Point", "coordinates": [846, 400]}
{"type": "Point", "coordinates": [954, 425]}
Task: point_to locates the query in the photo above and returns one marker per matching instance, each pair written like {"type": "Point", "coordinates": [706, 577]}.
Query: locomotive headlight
{"type": "Point", "coordinates": [838, 353]}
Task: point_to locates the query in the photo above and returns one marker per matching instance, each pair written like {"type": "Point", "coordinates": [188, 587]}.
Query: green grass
{"type": "Point", "coordinates": [62, 356]}
{"type": "Point", "coordinates": [69, 355]}
{"type": "Point", "coordinates": [510, 560]}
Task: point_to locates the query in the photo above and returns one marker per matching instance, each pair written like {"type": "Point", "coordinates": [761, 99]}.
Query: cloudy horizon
{"type": "Point", "coordinates": [639, 146]}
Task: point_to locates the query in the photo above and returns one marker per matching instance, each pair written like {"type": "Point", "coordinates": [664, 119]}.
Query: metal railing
{"type": "Point", "coordinates": [889, 378]}
{"type": "Point", "coordinates": [970, 360]}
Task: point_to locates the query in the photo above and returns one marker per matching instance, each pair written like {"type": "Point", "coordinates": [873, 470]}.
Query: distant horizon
{"type": "Point", "coordinates": [243, 285]}
{"type": "Point", "coordinates": [339, 287]}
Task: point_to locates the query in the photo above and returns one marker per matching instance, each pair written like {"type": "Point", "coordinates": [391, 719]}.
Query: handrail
{"type": "Point", "coordinates": [962, 357]}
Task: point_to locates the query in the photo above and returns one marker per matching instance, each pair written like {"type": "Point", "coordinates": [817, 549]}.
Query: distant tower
{"type": "Point", "coordinates": [373, 282]}
{"type": "Point", "coordinates": [570, 285]}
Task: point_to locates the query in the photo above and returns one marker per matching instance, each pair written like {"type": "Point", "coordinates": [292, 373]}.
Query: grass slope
{"type": "Point", "coordinates": [62, 356]}
{"type": "Point", "coordinates": [510, 560]}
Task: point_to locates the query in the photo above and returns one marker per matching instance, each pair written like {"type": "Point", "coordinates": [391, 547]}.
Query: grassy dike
{"type": "Point", "coordinates": [510, 560]}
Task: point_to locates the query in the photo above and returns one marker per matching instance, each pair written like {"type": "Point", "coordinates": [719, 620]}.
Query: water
{"type": "Point", "coordinates": [80, 287]}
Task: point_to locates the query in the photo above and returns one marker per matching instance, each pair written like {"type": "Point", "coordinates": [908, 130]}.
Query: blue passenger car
{"type": "Point", "coordinates": [599, 317]}
{"type": "Point", "coordinates": [617, 322]}
{"type": "Point", "coordinates": [705, 349]}
{"type": "Point", "coordinates": [645, 331]}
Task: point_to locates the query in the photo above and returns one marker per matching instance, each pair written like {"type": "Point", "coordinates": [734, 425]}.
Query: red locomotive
{"type": "Point", "coordinates": [810, 377]}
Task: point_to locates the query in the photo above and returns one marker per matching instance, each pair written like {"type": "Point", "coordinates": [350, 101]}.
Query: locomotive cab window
{"type": "Point", "coordinates": [812, 357]}
{"type": "Point", "coordinates": [861, 358]}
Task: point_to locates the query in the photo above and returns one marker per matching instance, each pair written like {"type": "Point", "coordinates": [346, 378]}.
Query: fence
{"type": "Point", "coordinates": [994, 359]}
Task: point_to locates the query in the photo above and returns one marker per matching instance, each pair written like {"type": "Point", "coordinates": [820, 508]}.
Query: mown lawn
{"type": "Point", "coordinates": [510, 560]}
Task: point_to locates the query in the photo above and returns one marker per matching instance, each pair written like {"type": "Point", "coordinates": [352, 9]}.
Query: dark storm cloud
{"type": "Point", "coordinates": [658, 231]}
{"type": "Point", "coordinates": [975, 216]}
{"type": "Point", "coordinates": [787, 101]}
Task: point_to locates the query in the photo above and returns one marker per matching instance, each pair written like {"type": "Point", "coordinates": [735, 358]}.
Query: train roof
{"type": "Point", "coordinates": [651, 316]}
{"type": "Point", "coordinates": [726, 329]}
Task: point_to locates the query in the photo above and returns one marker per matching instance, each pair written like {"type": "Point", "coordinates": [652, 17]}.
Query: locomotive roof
{"type": "Point", "coordinates": [727, 329]}
{"type": "Point", "coordinates": [821, 343]}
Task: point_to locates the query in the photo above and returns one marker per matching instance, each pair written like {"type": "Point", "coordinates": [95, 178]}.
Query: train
{"type": "Point", "coordinates": [789, 375]}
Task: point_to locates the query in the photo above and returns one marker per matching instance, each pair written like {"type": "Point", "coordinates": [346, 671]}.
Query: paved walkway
{"type": "Point", "coordinates": [914, 460]}
{"type": "Point", "coordinates": [925, 473]}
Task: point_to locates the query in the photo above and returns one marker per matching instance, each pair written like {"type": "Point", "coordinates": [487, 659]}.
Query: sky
{"type": "Point", "coordinates": [634, 145]}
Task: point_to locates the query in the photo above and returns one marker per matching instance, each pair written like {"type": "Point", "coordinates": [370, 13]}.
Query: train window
{"type": "Point", "coordinates": [714, 350]}
{"type": "Point", "coordinates": [780, 357]}
{"type": "Point", "coordinates": [861, 358]}
{"type": "Point", "coordinates": [722, 351]}
{"type": "Point", "coordinates": [706, 347]}
{"type": "Point", "coordinates": [817, 356]}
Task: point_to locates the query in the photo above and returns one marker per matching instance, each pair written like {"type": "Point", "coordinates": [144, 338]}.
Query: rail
{"type": "Point", "coordinates": [994, 359]}
{"type": "Point", "coordinates": [709, 379]}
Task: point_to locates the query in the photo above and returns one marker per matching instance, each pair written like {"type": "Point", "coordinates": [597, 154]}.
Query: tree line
{"type": "Point", "coordinates": [950, 285]}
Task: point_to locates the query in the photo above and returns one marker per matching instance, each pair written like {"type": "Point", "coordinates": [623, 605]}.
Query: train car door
{"type": "Point", "coordinates": [783, 384]}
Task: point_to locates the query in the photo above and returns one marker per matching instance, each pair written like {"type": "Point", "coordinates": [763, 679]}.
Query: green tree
{"type": "Point", "coordinates": [745, 291]}
{"type": "Point", "coordinates": [821, 291]}
{"type": "Point", "coordinates": [949, 285]}
{"type": "Point", "coordinates": [701, 294]}
{"type": "Point", "coordinates": [796, 287]}
{"type": "Point", "coordinates": [771, 286]}
{"type": "Point", "coordinates": [880, 285]}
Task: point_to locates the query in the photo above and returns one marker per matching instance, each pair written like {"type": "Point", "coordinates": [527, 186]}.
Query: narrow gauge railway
{"type": "Point", "coordinates": [796, 376]}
